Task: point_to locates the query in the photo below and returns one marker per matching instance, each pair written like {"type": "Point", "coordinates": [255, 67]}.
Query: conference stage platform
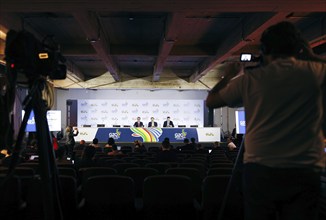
{"type": "Point", "coordinates": [153, 135]}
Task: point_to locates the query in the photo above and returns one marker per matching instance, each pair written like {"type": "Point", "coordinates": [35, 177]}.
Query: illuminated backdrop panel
{"type": "Point", "coordinates": [125, 112]}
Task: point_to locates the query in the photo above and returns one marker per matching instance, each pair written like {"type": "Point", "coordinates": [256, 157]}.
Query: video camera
{"type": "Point", "coordinates": [26, 55]}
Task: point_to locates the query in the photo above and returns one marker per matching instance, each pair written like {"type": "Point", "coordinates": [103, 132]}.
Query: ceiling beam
{"type": "Point", "coordinates": [168, 39]}
{"type": "Point", "coordinates": [89, 22]}
{"type": "Point", "coordinates": [162, 5]}
{"type": "Point", "coordinates": [70, 50]}
{"type": "Point", "coordinates": [235, 41]}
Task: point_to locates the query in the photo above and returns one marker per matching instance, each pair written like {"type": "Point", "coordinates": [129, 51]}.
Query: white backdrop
{"type": "Point", "coordinates": [125, 112]}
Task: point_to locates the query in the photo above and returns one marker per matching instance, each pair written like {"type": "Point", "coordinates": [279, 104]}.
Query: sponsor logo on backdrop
{"type": "Point", "coordinates": [145, 104]}
{"type": "Point", "coordinates": [166, 104]}
{"type": "Point", "coordinates": [114, 105]}
{"type": "Point", "coordinates": [147, 134]}
{"type": "Point", "coordinates": [83, 111]}
{"type": "Point", "coordinates": [125, 118]}
{"type": "Point", "coordinates": [104, 111]}
{"type": "Point", "coordinates": [209, 134]}
{"type": "Point", "coordinates": [104, 118]}
{"type": "Point", "coordinates": [243, 123]}
{"type": "Point", "coordinates": [155, 111]}
{"type": "Point", "coordinates": [83, 118]}
{"type": "Point", "coordinates": [197, 105]}
{"type": "Point", "coordinates": [176, 112]}
{"type": "Point", "coordinates": [31, 121]}
{"type": "Point", "coordinates": [104, 104]}
{"type": "Point", "coordinates": [115, 135]}
{"type": "Point", "coordinates": [83, 133]}
{"type": "Point", "coordinates": [124, 104]}
{"type": "Point", "coordinates": [180, 136]}
{"type": "Point", "coordinates": [94, 111]}
{"type": "Point", "coordinates": [156, 105]}
{"type": "Point", "coordinates": [94, 119]}
{"type": "Point", "coordinates": [166, 112]}
{"type": "Point", "coordinates": [83, 103]}
{"type": "Point", "coordinates": [114, 110]}
{"type": "Point", "coordinates": [124, 112]}
{"type": "Point", "coordinates": [197, 111]}
{"type": "Point", "coordinates": [196, 119]}
{"type": "Point", "coordinates": [93, 104]}
{"type": "Point", "coordinates": [135, 111]}
{"type": "Point", "coordinates": [114, 119]}
{"type": "Point", "coordinates": [135, 105]}
{"type": "Point", "coordinates": [176, 105]}
{"type": "Point", "coordinates": [186, 105]}
{"type": "Point", "coordinates": [145, 112]}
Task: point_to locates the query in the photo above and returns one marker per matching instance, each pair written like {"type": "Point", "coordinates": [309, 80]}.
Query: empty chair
{"type": "Point", "coordinates": [161, 167]}
{"type": "Point", "coordinates": [141, 162]}
{"type": "Point", "coordinates": [168, 197]}
{"type": "Point", "coordinates": [219, 171]}
{"type": "Point", "coordinates": [153, 149]}
{"type": "Point", "coordinates": [221, 165]}
{"type": "Point", "coordinates": [138, 174]}
{"type": "Point", "coordinates": [128, 159]}
{"type": "Point", "coordinates": [120, 167]}
{"type": "Point", "coordinates": [35, 166]}
{"type": "Point", "coordinates": [214, 188]}
{"type": "Point", "coordinates": [86, 173]}
{"type": "Point", "coordinates": [67, 171]}
{"type": "Point", "coordinates": [110, 162]}
{"type": "Point", "coordinates": [19, 171]}
{"type": "Point", "coordinates": [25, 175]}
{"type": "Point", "coordinates": [126, 149]}
{"type": "Point", "coordinates": [109, 197]}
{"type": "Point", "coordinates": [10, 199]}
{"type": "Point", "coordinates": [200, 167]}
{"type": "Point", "coordinates": [68, 196]}
{"type": "Point", "coordinates": [193, 174]}
{"type": "Point", "coordinates": [196, 160]}
{"type": "Point", "coordinates": [68, 165]}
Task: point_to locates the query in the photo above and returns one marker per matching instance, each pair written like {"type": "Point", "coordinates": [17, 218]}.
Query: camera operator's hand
{"type": "Point", "coordinates": [306, 53]}
{"type": "Point", "coordinates": [232, 69]}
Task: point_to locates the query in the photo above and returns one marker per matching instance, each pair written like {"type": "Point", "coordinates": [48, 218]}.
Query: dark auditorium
{"type": "Point", "coordinates": [163, 110]}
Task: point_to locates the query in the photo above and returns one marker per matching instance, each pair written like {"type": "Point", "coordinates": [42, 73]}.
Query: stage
{"type": "Point", "coordinates": [149, 135]}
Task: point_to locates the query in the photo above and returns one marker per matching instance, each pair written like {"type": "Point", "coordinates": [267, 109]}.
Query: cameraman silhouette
{"type": "Point", "coordinates": [284, 100]}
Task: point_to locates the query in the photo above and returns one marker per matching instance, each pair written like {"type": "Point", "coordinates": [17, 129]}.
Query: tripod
{"type": "Point", "coordinates": [236, 171]}
{"type": "Point", "coordinates": [50, 187]}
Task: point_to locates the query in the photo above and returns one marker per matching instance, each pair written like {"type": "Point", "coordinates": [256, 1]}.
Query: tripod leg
{"type": "Point", "coordinates": [236, 169]}
{"type": "Point", "coordinates": [49, 174]}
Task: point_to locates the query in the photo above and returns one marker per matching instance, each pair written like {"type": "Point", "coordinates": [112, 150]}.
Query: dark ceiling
{"type": "Point", "coordinates": [145, 38]}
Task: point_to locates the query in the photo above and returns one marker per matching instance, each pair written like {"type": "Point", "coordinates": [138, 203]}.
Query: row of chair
{"type": "Point", "coordinates": [169, 196]}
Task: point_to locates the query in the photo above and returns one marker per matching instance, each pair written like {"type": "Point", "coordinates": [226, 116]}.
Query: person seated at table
{"type": "Point", "coordinates": [168, 123]}
{"type": "Point", "coordinates": [152, 123]}
{"type": "Point", "coordinates": [138, 123]}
